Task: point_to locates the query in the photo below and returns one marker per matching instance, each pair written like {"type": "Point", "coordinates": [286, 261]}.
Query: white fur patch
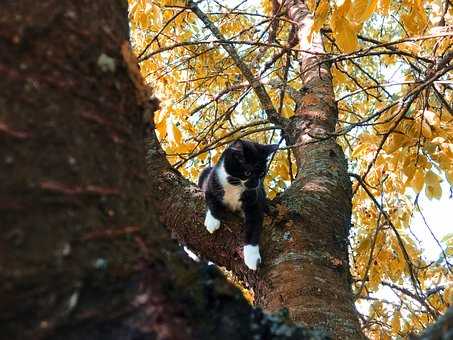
{"type": "Point", "coordinates": [252, 256]}
{"type": "Point", "coordinates": [232, 195]}
{"type": "Point", "coordinates": [211, 223]}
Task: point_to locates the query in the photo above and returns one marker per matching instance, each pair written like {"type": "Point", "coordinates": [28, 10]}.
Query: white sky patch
{"type": "Point", "coordinates": [438, 215]}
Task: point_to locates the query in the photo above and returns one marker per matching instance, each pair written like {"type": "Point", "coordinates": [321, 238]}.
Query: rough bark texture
{"type": "Point", "coordinates": [58, 201]}
{"type": "Point", "coordinates": [82, 254]}
{"type": "Point", "coordinates": [320, 196]}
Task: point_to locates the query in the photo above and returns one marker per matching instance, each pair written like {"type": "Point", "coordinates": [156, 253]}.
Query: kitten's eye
{"type": "Point", "coordinates": [262, 173]}
{"type": "Point", "coordinates": [247, 173]}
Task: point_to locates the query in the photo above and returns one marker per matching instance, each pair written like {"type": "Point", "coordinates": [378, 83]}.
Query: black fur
{"type": "Point", "coordinates": [245, 164]}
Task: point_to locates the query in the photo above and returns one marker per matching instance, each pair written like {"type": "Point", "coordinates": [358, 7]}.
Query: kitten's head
{"type": "Point", "coordinates": [248, 161]}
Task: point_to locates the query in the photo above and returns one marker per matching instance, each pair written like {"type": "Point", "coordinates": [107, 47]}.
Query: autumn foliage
{"type": "Point", "coordinates": [392, 66]}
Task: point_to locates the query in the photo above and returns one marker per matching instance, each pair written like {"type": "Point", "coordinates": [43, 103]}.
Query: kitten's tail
{"type": "Point", "coordinates": [203, 176]}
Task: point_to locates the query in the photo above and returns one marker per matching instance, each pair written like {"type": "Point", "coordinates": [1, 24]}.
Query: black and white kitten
{"type": "Point", "coordinates": [235, 183]}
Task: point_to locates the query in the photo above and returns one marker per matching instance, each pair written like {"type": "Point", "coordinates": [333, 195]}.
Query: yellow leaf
{"type": "Point", "coordinates": [338, 76]}
{"type": "Point", "coordinates": [185, 147]}
{"type": "Point", "coordinates": [384, 6]}
{"type": "Point", "coordinates": [447, 148]}
{"type": "Point", "coordinates": [418, 180]}
{"type": "Point", "coordinates": [320, 16]}
{"type": "Point", "coordinates": [433, 188]}
{"type": "Point", "coordinates": [362, 10]}
{"type": "Point", "coordinates": [156, 13]}
{"type": "Point", "coordinates": [359, 150]}
{"type": "Point", "coordinates": [389, 59]}
{"type": "Point", "coordinates": [185, 36]}
{"type": "Point", "coordinates": [203, 156]}
{"type": "Point", "coordinates": [395, 141]}
{"type": "Point", "coordinates": [431, 118]}
{"type": "Point", "coordinates": [384, 335]}
{"type": "Point", "coordinates": [396, 326]}
{"type": "Point", "coordinates": [189, 127]}
{"type": "Point", "coordinates": [410, 47]}
{"type": "Point", "coordinates": [142, 19]}
{"type": "Point", "coordinates": [409, 24]}
{"type": "Point", "coordinates": [431, 178]}
{"type": "Point", "coordinates": [448, 295]}
{"type": "Point", "coordinates": [364, 245]}
{"type": "Point", "coordinates": [161, 128]}
{"type": "Point", "coordinates": [409, 170]}
{"type": "Point", "coordinates": [345, 33]}
{"type": "Point", "coordinates": [416, 20]}
{"type": "Point", "coordinates": [426, 130]}
{"type": "Point", "coordinates": [438, 140]}
{"type": "Point", "coordinates": [344, 8]}
{"type": "Point", "coordinates": [267, 6]}
{"type": "Point", "coordinates": [177, 137]}
{"type": "Point", "coordinates": [283, 170]}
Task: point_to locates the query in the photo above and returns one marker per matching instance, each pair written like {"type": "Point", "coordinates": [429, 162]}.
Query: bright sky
{"type": "Point", "coordinates": [439, 217]}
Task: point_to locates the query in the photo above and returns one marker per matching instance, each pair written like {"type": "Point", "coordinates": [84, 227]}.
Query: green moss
{"type": "Point", "coordinates": [106, 63]}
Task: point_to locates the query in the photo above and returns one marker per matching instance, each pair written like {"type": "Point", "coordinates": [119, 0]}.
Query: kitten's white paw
{"type": "Point", "coordinates": [252, 256]}
{"type": "Point", "coordinates": [211, 223]}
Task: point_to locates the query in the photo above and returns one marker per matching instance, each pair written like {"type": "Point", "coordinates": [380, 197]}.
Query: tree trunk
{"type": "Point", "coordinates": [311, 275]}
{"type": "Point", "coordinates": [82, 253]}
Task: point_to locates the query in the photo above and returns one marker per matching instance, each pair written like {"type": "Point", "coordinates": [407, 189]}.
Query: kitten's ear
{"type": "Point", "coordinates": [237, 146]}
{"type": "Point", "coordinates": [269, 148]}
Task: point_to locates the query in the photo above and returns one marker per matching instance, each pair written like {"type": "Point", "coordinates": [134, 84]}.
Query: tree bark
{"type": "Point", "coordinates": [82, 253]}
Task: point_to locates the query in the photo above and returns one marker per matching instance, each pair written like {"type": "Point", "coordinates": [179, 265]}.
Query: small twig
{"type": "Point", "coordinates": [398, 236]}
{"type": "Point", "coordinates": [407, 100]}
{"type": "Point", "coordinates": [158, 33]}
{"type": "Point", "coordinates": [407, 292]}
{"type": "Point", "coordinates": [435, 238]}
{"type": "Point", "coordinates": [370, 258]}
{"type": "Point", "coordinates": [258, 88]}
{"type": "Point", "coordinates": [216, 144]}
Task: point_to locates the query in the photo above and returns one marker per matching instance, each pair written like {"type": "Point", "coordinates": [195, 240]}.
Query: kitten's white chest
{"type": "Point", "coordinates": [232, 196]}
{"type": "Point", "coordinates": [232, 193]}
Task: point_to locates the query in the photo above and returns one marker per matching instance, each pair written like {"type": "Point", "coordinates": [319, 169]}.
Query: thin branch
{"type": "Point", "coordinates": [398, 236]}
{"type": "Point", "coordinates": [258, 88]}
{"type": "Point", "coordinates": [370, 258]}
{"type": "Point", "coordinates": [350, 94]}
{"type": "Point", "coordinates": [443, 100]}
{"type": "Point", "coordinates": [407, 292]}
{"type": "Point", "coordinates": [407, 100]}
{"type": "Point", "coordinates": [399, 41]}
{"type": "Point", "coordinates": [217, 142]}
{"type": "Point", "coordinates": [158, 33]}
{"type": "Point", "coordinates": [435, 238]}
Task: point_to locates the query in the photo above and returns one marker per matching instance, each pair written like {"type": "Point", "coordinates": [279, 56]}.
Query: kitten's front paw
{"type": "Point", "coordinates": [252, 256]}
{"type": "Point", "coordinates": [211, 223]}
